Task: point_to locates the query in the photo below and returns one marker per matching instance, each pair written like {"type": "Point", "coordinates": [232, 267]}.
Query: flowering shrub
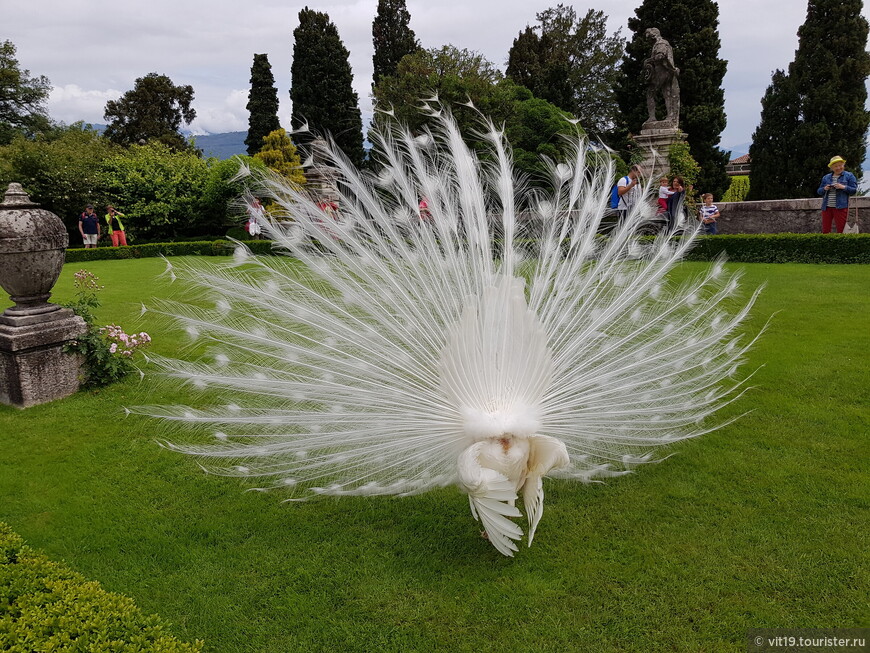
{"type": "Point", "coordinates": [107, 351]}
{"type": "Point", "coordinates": [122, 343]}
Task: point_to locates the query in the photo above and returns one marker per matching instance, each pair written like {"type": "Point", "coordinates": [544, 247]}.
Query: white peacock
{"type": "Point", "coordinates": [487, 341]}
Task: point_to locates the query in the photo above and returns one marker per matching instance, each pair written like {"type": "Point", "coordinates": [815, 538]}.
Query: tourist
{"type": "Point", "coordinates": [255, 218]}
{"type": "Point", "coordinates": [628, 191]}
{"type": "Point", "coordinates": [708, 214]}
{"type": "Point", "coordinates": [89, 227]}
{"type": "Point", "coordinates": [115, 227]}
{"type": "Point", "coordinates": [675, 201]}
{"type": "Point", "coordinates": [835, 189]}
{"type": "Point", "coordinates": [664, 193]}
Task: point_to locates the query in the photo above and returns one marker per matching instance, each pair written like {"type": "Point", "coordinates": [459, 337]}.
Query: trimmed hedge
{"type": "Point", "coordinates": [44, 606]}
{"type": "Point", "coordinates": [783, 248]}
{"type": "Point", "coordinates": [196, 248]}
{"type": "Point", "coordinates": [743, 248]}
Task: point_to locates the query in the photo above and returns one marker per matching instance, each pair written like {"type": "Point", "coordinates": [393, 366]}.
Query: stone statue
{"type": "Point", "coordinates": [661, 76]}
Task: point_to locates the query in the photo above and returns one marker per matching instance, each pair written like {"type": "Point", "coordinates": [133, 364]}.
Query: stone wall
{"type": "Point", "coordinates": [802, 216]}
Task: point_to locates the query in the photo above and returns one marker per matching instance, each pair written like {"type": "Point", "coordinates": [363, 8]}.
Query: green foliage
{"type": "Point", "coordinates": [737, 190]}
{"type": "Point", "coordinates": [682, 163]}
{"type": "Point", "coordinates": [45, 606]}
{"type": "Point", "coordinates": [107, 352]}
{"type": "Point", "coordinates": [322, 84]}
{"type": "Point", "coordinates": [160, 190]}
{"type": "Point", "coordinates": [816, 109]}
{"type": "Point", "coordinates": [392, 37]}
{"type": "Point", "coordinates": [533, 126]}
{"type": "Point", "coordinates": [22, 98]}
{"type": "Point", "coordinates": [221, 192]}
{"type": "Point", "coordinates": [188, 248]}
{"type": "Point", "coordinates": [784, 248]}
{"type": "Point", "coordinates": [572, 64]}
{"type": "Point", "coordinates": [691, 27]}
{"type": "Point", "coordinates": [279, 154]}
{"type": "Point", "coordinates": [262, 104]}
{"type": "Point", "coordinates": [153, 110]}
{"type": "Point", "coordinates": [455, 76]}
{"type": "Point", "coordinates": [59, 169]}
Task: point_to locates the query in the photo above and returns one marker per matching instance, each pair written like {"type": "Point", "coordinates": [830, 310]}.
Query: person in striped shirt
{"type": "Point", "coordinates": [835, 189]}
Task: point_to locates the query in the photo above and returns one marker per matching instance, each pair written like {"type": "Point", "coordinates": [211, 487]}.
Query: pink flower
{"type": "Point", "coordinates": [113, 348]}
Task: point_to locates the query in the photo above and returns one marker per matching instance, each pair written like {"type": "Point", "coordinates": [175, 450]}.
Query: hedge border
{"type": "Point", "coordinates": [739, 248]}
{"type": "Point", "coordinates": [45, 606]}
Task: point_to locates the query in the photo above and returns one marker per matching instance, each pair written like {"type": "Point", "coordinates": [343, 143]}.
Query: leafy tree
{"type": "Point", "coordinates": [392, 37]}
{"type": "Point", "coordinates": [21, 98]}
{"type": "Point", "coordinates": [262, 104]}
{"type": "Point", "coordinates": [322, 84]}
{"type": "Point", "coordinates": [60, 169]}
{"type": "Point", "coordinates": [160, 190]}
{"type": "Point", "coordinates": [573, 64]}
{"type": "Point", "coordinates": [455, 76]}
{"type": "Point", "coordinates": [533, 126]}
{"type": "Point", "coordinates": [691, 27]}
{"type": "Point", "coordinates": [221, 190]}
{"type": "Point", "coordinates": [153, 110]}
{"type": "Point", "coordinates": [816, 109]}
{"type": "Point", "coordinates": [279, 154]}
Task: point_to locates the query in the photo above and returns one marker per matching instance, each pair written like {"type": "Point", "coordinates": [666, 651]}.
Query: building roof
{"type": "Point", "coordinates": [740, 159]}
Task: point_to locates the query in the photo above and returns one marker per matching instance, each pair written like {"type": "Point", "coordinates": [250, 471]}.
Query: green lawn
{"type": "Point", "coordinates": [762, 524]}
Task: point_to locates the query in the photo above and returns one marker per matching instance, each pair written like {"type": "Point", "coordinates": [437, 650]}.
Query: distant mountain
{"type": "Point", "coordinates": [737, 150]}
{"type": "Point", "coordinates": [222, 146]}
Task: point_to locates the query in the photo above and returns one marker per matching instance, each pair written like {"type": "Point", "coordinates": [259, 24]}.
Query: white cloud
{"type": "Point", "coordinates": [71, 103]}
{"type": "Point", "coordinates": [89, 49]}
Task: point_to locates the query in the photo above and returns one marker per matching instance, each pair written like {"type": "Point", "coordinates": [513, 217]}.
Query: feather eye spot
{"type": "Point", "coordinates": [301, 455]}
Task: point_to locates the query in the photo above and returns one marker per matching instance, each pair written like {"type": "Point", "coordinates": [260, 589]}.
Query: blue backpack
{"type": "Point", "coordinates": [614, 195]}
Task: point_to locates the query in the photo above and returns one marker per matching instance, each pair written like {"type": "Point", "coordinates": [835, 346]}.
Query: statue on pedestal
{"type": "Point", "coordinates": [661, 75]}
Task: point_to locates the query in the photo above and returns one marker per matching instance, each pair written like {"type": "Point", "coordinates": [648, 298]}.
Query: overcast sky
{"type": "Point", "coordinates": [93, 50]}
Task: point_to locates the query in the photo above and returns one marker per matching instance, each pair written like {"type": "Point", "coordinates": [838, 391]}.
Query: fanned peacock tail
{"type": "Point", "coordinates": [388, 340]}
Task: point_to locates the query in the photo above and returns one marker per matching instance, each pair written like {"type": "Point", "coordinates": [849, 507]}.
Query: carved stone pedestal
{"type": "Point", "coordinates": [655, 139]}
{"type": "Point", "coordinates": [33, 367]}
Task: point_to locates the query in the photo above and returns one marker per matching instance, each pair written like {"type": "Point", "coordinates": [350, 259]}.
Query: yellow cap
{"type": "Point", "coordinates": [836, 159]}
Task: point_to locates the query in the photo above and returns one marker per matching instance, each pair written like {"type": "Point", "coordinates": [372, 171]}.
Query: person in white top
{"type": "Point", "coordinates": [628, 191]}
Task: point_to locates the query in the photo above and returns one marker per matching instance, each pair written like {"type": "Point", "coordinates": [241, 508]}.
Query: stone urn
{"type": "Point", "coordinates": [33, 333]}
{"type": "Point", "coordinates": [32, 246]}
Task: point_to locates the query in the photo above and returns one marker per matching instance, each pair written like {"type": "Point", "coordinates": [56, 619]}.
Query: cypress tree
{"type": "Point", "coordinates": [262, 104]}
{"type": "Point", "coordinates": [322, 84]}
{"type": "Point", "coordinates": [691, 27]}
{"type": "Point", "coordinates": [772, 174]}
{"type": "Point", "coordinates": [821, 100]}
{"type": "Point", "coordinates": [392, 38]}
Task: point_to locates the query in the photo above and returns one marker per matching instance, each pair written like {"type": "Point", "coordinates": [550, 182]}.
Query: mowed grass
{"type": "Point", "coordinates": [763, 523]}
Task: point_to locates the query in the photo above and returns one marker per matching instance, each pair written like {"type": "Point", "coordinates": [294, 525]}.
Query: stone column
{"type": "Point", "coordinates": [655, 140]}
{"type": "Point", "coordinates": [33, 367]}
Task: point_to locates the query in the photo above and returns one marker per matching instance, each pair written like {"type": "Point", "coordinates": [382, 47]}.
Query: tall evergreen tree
{"type": "Point", "coordinates": [262, 104]}
{"type": "Point", "coordinates": [322, 84]}
{"type": "Point", "coordinates": [572, 64]}
{"type": "Point", "coordinates": [691, 27]}
{"type": "Point", "coordinates": [392, 37]}
{"type": "Point", "coordinates": [817, 109]}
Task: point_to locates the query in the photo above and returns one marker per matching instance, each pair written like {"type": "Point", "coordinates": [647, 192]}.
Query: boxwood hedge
{"type": "Point", "coordinates": [746, 248]}
{"type": "Point", "coordinates": [45, 606]}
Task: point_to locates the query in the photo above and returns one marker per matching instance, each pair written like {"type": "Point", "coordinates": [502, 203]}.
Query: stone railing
{"type": "Point", "coordinates": [803, 216]}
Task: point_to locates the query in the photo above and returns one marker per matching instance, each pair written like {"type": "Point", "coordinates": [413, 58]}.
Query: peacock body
{"type": "Point", "coordinates": [487, 340]}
